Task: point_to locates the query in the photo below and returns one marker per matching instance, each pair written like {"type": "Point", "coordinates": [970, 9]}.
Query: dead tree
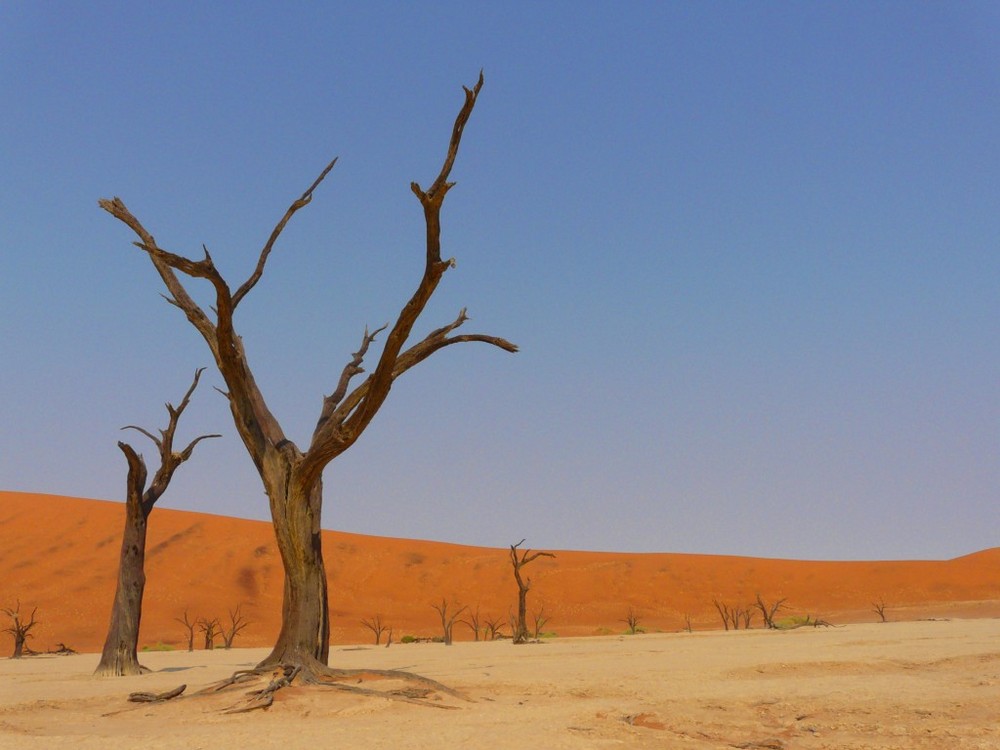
{"type": "Point", "coordinates": [725, 613]}
{"type": "Point", "coordinates": [292, 476]}
{"type": "Point", "coordinates": [447, 621]}
{"type": "Point", "coordinates": [376, 626]}
{"type": "Point", "coordinates": [237, 622]}
{"type": "Point", "coordinates": [119, 654]}
{"type": "Point", "coordinates": [211, 629]}
{"type": "Point", "coordinates": [20, 629]}
{"type": "Point", "coordinates": [745, 615]}
{"type": "Point", "coordinates": [632, 620]}
{"type": "Point", "coordinates": [518, 561]}
{"type": "Point", "coordinates": [539, 619]}
{"type": "Point", "coordinates": [473, 622]}
{"type": "Point", "coordinates": [493, 626]}
{"type": "Point", "coordinates": [768, 611]}
{"type": "Point", "coordinates": [878, 607]}
{"type": "Point", "coordinates": [189, 626]}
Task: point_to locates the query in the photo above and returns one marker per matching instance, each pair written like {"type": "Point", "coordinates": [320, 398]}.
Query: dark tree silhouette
{"type": "Point", "coordinates": [119, 654]}
{"type": "Point", "coordinates": [447, 620]}
{"type": "Point", "coordinates": [189, 626]}
{"type": "Point", "coordinates": [211, 629]}
{"type": "Point", "coordinates": [878, 607]}
{"type": "Point", "coordinates": [377, 627]}
{"type": "Point", "coordinates": [518, 561]}
{"type": "Point", "coordinates": [474, 622]}
{"type": "Point", "coordinates": [237, 622]}
{"type": "Point", "coordinates": [632, 620]}
{"type": "Point", "coordinates": [20, 629]}
{"type": "Point", "coordinates": [768, 611]}
{"type": "Point", "coordinates": [292, 476]}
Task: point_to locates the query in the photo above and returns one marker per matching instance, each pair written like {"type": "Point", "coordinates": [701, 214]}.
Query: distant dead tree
{"type": "Point", "coordinates": [237, 622]}
{"type": "Point", "coordinates": [745, 615]}
{"type": "Point", "coordinates": [632, 620]}
{"type": "Point", "coordinates": [494, 626]}
{"type": "Point", "coordinates": [119, 655]}
{"type": "Point", "coordinates": [518, 561]}
{"type": "Point", "coordinates": [189, 626]}
{"type": "Point", "coordinates": [377, 627]}
{"type": "Point", "coordinates": [687, 623]}
{"type": "Point", "coordinates": [211, 629]}
{"type": "Point", "coordinates": [473, 622]}
{"type": "Point", "coordinates": [878, 607]}
{"type": "Point", "coordinates": [292, 475]}
{"type": "Point", "coordinates": [539, 619]}
{"type": "Point", "coordinates": [768, 611]}
{"type": "Point", "coordinates": [20, 629]}
{"type": "Point", "coordinates": [447, 620]}
{"type": "Point", "coordinates": [724, 613]}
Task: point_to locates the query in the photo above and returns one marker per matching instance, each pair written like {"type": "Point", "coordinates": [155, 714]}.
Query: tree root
{"type": "Point", "coordinates": [421, 691]}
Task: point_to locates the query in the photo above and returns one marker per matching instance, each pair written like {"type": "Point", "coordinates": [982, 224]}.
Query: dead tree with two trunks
{"type": "Point", "coordinates": [119, 656]}
{"type": "Point", "coordinates": [292, 476]}
{"type": "Point", "coordinates": [518, 560]}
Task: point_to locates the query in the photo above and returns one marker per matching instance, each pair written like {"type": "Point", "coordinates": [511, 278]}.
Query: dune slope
{"type": "Point", "coordinates": [60, 554]}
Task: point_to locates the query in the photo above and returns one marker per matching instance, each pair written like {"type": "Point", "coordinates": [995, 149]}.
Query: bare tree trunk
{"type": "Point", "coordinates": [305, 618]}
{"type": "Point", "coordinates": [119, 657]}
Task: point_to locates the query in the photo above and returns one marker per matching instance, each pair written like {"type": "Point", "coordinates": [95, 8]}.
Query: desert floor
{"type": "Point", "coordinates": [927, 684]}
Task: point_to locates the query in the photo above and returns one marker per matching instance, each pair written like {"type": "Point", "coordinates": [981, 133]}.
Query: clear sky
{"type": "Point", "coordinates": [750, 251]}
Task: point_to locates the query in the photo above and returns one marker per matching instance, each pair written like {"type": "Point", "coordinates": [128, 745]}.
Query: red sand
{"type": "Point", "coordinates": [60, 555]}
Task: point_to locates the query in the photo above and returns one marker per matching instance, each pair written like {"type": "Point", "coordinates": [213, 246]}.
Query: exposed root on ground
{"type": "Point", "coordinates": [421, 691]}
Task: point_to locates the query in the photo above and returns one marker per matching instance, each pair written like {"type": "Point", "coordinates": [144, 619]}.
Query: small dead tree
{"type": "Point", "coordinates": [724, 612]}
{"type": "Point", "coordinates": [745, 615]}
{"type": "Point", "coordinates": [687, 623]}
{"type": "Point", "coordinates": [119, 657]}
{"type": "Point", "coordinates": [632, 620]}
{"type": "Point", "coordinates": [518, 560]}
{"type": "Point", "coordinates": [211, 629]}
{"type": "Point", "coordinates": [494, 626]}
{"type": "Point", "coordinates": [189, 626]}
{"type": "Point", "coordinates": [377, 627]}
{"type": "Point", "coordinates": [20, 629]}
{"type": "Point", "coordinates": [447, 620]}
{"type": "Point", "coordinates": [768, 611]}
{"type": "Point", "coordinates": [878, 607]}
{"type": "Point", "coordinates": [473, 622]}
{"type": "Point", "coordinates": [539, 619]}
{"type": "Point", "coordinates": [237, 622]}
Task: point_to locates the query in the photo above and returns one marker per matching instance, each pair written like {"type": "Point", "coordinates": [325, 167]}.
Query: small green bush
{"type": "Point", "coordinates": [408, 639]}
{"type": "Point", "coordinates": [159, 646]}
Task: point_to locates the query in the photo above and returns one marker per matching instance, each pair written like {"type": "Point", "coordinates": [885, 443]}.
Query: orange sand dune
{"type": "Point", "coordinates": [60, 555]}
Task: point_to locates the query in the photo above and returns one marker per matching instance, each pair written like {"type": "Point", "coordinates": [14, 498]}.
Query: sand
{"type": "Point", "coordinates": [927, 684]}
{"type": "Point", "coordinates": [60, 555]}
{"type": "Point", "coordinates": [928, 678]}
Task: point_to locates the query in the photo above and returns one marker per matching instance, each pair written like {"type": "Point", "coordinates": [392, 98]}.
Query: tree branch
{"type": "Point", "coordinates": [301, 201]}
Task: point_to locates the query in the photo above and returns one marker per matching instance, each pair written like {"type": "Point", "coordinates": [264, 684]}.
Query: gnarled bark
{"type": "Point", "coordinates": [291, 476]}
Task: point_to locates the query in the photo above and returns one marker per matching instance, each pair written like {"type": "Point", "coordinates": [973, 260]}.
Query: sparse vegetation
{"type": "Point", "coordinates": [632, 621]}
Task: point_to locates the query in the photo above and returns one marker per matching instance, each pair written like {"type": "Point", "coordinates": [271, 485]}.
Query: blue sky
{"type": "Point", "coordinates": [750, 251]}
